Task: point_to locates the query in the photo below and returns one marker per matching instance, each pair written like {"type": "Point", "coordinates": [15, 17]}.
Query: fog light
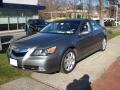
{"type": "Point", "coordinates": [41, 69]}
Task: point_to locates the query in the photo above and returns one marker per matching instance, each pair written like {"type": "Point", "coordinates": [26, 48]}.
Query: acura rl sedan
{"type": "Point", "coordinates": [58, 46]}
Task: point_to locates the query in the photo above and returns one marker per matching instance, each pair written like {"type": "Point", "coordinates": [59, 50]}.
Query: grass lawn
{"type": "Point", "coordinates": [112, 34]}
{"type": "Point", "coordinates": [8, 73]}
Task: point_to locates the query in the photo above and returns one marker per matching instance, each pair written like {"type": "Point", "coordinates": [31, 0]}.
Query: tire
{"type": "Point", "coordinates": [68, 64]}
{"type": "Point", "coordinates": [103, 44]}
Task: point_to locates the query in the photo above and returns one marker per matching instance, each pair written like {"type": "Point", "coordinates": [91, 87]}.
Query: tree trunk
{"type": "Point", "coordinates": [101, 14]}
{"type": "Point", "coordinates": [90, 9]}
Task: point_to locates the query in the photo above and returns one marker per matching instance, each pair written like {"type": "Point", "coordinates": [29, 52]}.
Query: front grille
{"type": "Point", "coordinates": [18, 54]}
{"type": "Point", "coordinates": [18, 51]}
{"type": "Point", "coordinates": [31, 67]}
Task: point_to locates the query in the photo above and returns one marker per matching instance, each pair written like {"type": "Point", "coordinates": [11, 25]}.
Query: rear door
{"type": "Point", "coordinates": [97, 33]}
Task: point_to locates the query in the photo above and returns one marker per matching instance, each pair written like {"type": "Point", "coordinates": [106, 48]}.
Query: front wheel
{"type": "Point", "coordinates": [104, 44]}
{"type": "Point", "coordinates": [68, 61]}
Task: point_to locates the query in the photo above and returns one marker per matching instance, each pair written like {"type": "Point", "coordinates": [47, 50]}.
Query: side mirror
{"type": "Point", "coordinates": [84, 33]}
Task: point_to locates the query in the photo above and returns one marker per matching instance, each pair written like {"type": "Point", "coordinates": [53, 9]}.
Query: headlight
{"type": "Point", "coordinates": [44, 52]}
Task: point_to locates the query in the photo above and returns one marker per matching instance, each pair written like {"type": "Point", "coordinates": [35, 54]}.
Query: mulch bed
{"type": "Point", "coordinates": [110, 80]}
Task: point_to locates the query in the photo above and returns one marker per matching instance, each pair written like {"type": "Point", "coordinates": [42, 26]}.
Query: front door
{"type": "Point", "coordinates": [85, 40]}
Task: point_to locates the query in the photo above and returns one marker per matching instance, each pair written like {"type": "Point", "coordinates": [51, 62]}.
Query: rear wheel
{"type": "Point", "coordinates": [104, 44]}
{"type": "Point", "coordinates": [68, 61]}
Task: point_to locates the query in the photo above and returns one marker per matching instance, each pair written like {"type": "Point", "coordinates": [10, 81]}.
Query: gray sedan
{"type": "Point", "coordinates": [58, 46]}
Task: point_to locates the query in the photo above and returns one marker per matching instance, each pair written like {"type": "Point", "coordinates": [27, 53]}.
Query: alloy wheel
{"type": "Point", "coordinates": [69, 61]}
{"type": "Point", "coordinates": [104, 44]}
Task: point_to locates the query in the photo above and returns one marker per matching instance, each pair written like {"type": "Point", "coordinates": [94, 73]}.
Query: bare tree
{"type": "Point", "coordinates": [51, 7]}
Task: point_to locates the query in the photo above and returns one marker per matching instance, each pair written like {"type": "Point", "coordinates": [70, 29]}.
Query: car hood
{"type": "Point", "coordinates": [40, 40]}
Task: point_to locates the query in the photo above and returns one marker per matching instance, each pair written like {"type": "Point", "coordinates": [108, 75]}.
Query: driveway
{"type": "Point", "coordinates": [26, 84]}
{"type": "Point", "coordinates": [86, 71]}
{"type": "Point", "coordinates": [93, 67]}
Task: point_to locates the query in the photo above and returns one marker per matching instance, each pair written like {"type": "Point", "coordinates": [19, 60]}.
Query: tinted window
{"type": "Point", "coordinates": [85, 27]}
{"type": "Point", "coordinates": [95, 25]}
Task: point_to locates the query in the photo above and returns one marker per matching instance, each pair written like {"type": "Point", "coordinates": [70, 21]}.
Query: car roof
{"type": "Point", "coordinates": [71, 20]}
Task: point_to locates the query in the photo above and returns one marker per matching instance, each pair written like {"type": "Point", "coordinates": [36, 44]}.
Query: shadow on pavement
{"type": "Point", "coordinates": [81, 84]}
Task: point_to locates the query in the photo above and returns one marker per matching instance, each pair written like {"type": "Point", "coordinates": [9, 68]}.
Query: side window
{"type": "Point", "coordinates": [95, 25]}
{"type": "Point", "coordinates": [85, 27]}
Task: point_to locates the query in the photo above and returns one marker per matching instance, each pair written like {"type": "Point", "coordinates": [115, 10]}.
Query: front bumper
{"type": "Point", "coordinates": [47, 64]}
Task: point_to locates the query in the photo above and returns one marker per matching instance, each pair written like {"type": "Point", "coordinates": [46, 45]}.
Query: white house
{"type": "Point", "coordinates": [14, 13]}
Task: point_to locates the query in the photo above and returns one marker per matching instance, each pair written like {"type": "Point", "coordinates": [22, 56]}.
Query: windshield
{"type": "Point", "coordinates": [65, 27]}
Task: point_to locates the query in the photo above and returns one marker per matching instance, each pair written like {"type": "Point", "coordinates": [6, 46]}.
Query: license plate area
{"type": "Point", "coordinates": [13, 62]}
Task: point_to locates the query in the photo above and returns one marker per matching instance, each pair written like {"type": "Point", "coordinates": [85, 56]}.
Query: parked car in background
{"type": "Point", "coordinates": [58, 46]}
{"type": "Point", "coordinates": [34, 25]}
{"type": "Point", "coordinates": [117, 22]}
